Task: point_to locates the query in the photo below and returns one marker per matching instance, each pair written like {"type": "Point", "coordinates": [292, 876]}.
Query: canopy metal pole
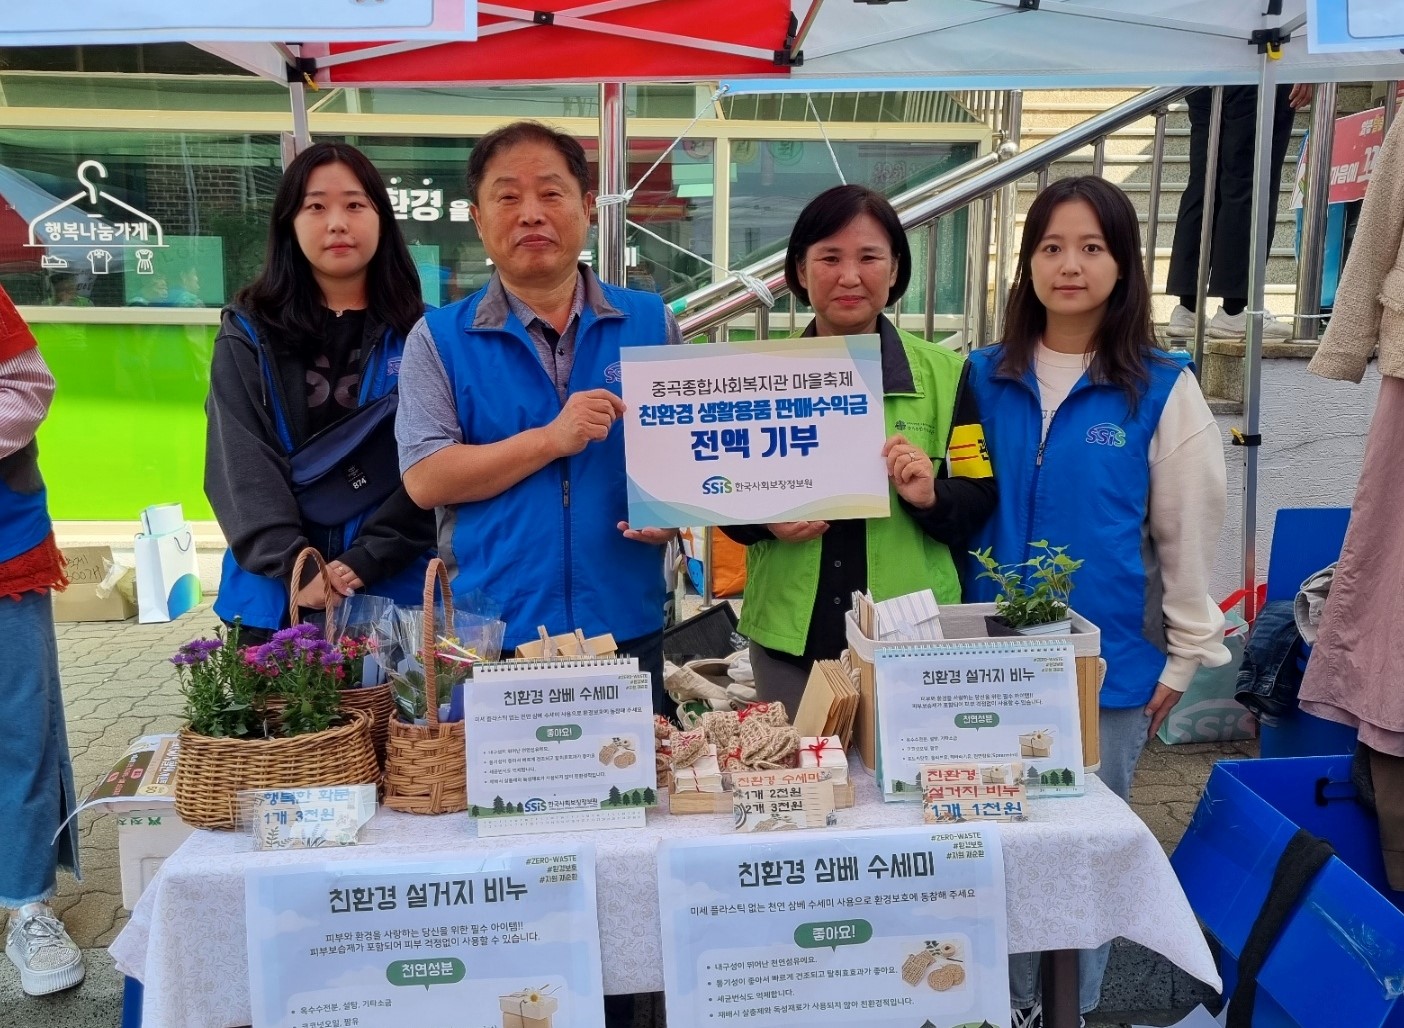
{"type": "Point", "coordinates": [930, 325]}
{"type": "Point", "coordinates": [1391, 102]}
{"type": "Point", "coordinates": [1206, 223]}
{"type": "Point", "coordinates": [1099, 156]}
{"type": "Point", "coordinates": [980, 326]}
{"type": "Point", "coordinates": [1314, 201]}
{"type": "Point", "coordinates": [1008, 198]}
{"type": "Point", "coordinates": [609, 240]}
{"type": "Point", "coordinates": [1153, 207]}
{"type": "Point", "coordinates": [302, 136]}
{"type": "Point", "coordinates": [1264, 217]}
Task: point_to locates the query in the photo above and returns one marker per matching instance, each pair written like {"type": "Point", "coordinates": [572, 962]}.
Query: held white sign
{"type": "Point", "coordinates": [749, 433]}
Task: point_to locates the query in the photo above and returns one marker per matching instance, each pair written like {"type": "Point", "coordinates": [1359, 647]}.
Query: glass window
{"type": "Point", "coordinates": [177, 220]}
{"type": "Point", "coordinates": [426, 177]}
{"type": "Point", "coordinates": [772, 180]}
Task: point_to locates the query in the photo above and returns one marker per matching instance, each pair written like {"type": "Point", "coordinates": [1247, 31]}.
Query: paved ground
{"type": "Point", "coordinates": [118, 685]}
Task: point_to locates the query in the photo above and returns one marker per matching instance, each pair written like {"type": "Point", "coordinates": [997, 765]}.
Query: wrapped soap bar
{"type": "Point", "coordinates": [702, 775]}
{"type": "Point", "coordinates": [826, 753]}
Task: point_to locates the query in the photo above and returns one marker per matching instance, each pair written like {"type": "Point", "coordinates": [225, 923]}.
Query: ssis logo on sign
{"type": "Point", "coordinates": [717, 485]}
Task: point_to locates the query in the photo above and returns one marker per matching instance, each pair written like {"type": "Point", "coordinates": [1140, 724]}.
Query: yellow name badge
{"type": "Point", "coordinates": [969, 457]}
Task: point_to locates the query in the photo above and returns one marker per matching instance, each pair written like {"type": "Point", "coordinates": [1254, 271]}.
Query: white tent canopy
{"type": "Point", "coordinates": [1050, 44]}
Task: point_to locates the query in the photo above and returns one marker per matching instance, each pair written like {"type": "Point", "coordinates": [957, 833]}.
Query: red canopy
{"type": "Point", "coordinates": [567, 41]}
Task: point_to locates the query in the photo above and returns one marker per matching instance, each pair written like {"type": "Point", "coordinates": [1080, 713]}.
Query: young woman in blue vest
{"type": "Point", "coordinates": [1104, 445]}
{"type": "Point", "coordinates": [317, 335]}
{"type": "Point", "coordinates": [848, 257]}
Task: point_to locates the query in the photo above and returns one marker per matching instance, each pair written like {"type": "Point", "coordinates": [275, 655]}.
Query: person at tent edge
{"type": "Point", "coordinates": [509, 421]}
{"type": "Point", "coordinates": [36, 774]}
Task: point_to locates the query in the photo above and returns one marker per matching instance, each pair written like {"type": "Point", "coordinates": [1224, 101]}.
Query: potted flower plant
{"type": "Point", "coordinates": [265, 717]}
{"type": "Point", "coordinates": [1033, 594]}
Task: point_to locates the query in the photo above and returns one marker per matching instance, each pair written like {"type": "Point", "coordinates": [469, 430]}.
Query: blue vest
{"type": "Point", "coordinates": [549, 550]}
{"type": "Point", "coordinates": [24, 505]}
{"type": "Point", "coordinates": [262, 602]}
{"type": "Point", "coordinates": [1087, 487]}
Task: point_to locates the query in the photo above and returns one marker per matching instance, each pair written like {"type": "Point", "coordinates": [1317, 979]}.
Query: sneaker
{"type": "Point", "coordinates": [1181, 324]}
{"type": "Point", "coordinates": [1235, 326]}
{"type": "Point", "coordinates": [37, 944]}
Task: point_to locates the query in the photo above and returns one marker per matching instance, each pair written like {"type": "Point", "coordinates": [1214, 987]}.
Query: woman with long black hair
{"type": "Point", "coordinates": [310, 351]}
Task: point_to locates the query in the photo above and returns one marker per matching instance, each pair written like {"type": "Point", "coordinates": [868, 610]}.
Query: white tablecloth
{"type": "Point", "coordinates": [1079, 873]}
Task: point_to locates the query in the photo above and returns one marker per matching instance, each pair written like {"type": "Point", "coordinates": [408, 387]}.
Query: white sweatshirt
{"type": "Point", "coordinates": [1188, 494]}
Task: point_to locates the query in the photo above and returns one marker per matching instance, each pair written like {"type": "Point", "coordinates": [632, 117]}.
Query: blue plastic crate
{"type": "Point", "coordinates": [1339, 960]}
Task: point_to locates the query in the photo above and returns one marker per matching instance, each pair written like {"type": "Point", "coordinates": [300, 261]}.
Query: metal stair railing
{"type": "Point", "coordinates": [712, 306]}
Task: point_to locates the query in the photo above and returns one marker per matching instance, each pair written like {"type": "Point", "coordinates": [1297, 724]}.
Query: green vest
{"type": "Point", "coordinates": [782, 579]}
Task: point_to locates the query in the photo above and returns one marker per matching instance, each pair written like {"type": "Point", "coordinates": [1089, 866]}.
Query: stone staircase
{"type": "Point", "coordinates": [1128, 164]}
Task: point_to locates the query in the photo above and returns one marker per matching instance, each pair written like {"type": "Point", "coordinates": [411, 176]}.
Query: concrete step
{"type": "Point", "coordinates": [95, 1002]}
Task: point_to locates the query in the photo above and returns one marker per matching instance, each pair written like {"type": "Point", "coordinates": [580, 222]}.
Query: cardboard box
{"type": "Point", "coordinates": [146, 836]}
{"type": "Point", "coordinates": [87, 567]}
{"type": "Point", "coordinates": [140, 791]}
{"type": "Point", "coordinates": [965, 621]}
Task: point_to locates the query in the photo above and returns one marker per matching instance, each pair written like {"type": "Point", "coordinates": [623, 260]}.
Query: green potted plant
{"type": "Point", "coordinates": [1033, 594]}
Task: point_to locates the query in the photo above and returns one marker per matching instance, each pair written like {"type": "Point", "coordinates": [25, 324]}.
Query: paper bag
{"type": "Point", "coordinates": [168, 575]}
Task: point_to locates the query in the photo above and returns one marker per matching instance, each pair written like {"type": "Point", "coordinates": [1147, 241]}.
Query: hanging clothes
{"type": "Point", "coordinates": [1353, 674]}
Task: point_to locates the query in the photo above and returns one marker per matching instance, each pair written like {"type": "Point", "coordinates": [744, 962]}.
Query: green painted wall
{"type": "Point", "coordinates": [127, 428]}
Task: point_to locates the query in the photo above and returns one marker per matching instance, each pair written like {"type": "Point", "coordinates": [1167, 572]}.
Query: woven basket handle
{"type": "Point", "coordinates": [436, 575]}
{"type": "Point", "coordinates": [295, 583]}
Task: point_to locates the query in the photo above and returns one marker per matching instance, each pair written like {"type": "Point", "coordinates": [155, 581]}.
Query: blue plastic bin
{"type": "Point", "coordinates": [1339, 960]}
{"type": "Point", "coordinates": [131, 1003]}
{"type": "Point", "coordinates": [1304, 540]}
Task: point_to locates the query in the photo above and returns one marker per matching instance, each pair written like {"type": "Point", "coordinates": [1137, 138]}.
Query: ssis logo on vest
{"type": "Point", "coordinates": [1106, 434]}
{"type": "Point", "coordinates": [615, 372]}
{"type": "Point", "coordinates": [717, 485]}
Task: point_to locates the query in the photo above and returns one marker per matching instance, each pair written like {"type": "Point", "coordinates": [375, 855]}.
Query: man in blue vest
{"type": "Point", "coordinates": [509, 411]}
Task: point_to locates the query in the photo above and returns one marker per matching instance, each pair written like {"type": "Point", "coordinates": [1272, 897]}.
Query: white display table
{"type": "Point", "coordinates": [1079, 873]}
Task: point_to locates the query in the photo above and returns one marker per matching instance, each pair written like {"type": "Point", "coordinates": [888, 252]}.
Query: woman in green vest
{"type": "Point", "coordinates": [848, 258]}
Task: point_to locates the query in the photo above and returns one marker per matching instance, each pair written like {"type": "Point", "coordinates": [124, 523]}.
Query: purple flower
{"type": "Point", "coordinates": [331, 660]}
{"type": "Point", "coordinates": [203, 646]}
{"type": "Point", "coordinates": [182, 659]}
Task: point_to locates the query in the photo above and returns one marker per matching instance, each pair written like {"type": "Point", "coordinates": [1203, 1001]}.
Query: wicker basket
{"type": "Point", "coordinates": [426, 766]}
{"type": "Point", "coordinates": [212, 772]}
{"type": "Point", "coordinates": [377, 700]}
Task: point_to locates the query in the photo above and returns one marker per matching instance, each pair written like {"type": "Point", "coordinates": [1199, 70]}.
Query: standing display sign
{"type": "Point", "coordinates": [38, 23]}
{"type": "Point", "coordinates": [750, 433]}
{"type": "Point", "coordinates": [893, 928]}
{"type": "Point", "coordinates": [506, 939]}
{"type": "Point", "coordinates": [553, 746]}
{"type": "Point", "coordinates": [995, 700]}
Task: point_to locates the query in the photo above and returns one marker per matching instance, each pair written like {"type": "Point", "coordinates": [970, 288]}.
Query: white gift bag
{"type": "Point", "coordinates": [168, 575]}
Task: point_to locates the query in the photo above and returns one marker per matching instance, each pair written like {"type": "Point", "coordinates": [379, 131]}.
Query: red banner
{"type": "Point", "coordinates": [1353, 151]}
